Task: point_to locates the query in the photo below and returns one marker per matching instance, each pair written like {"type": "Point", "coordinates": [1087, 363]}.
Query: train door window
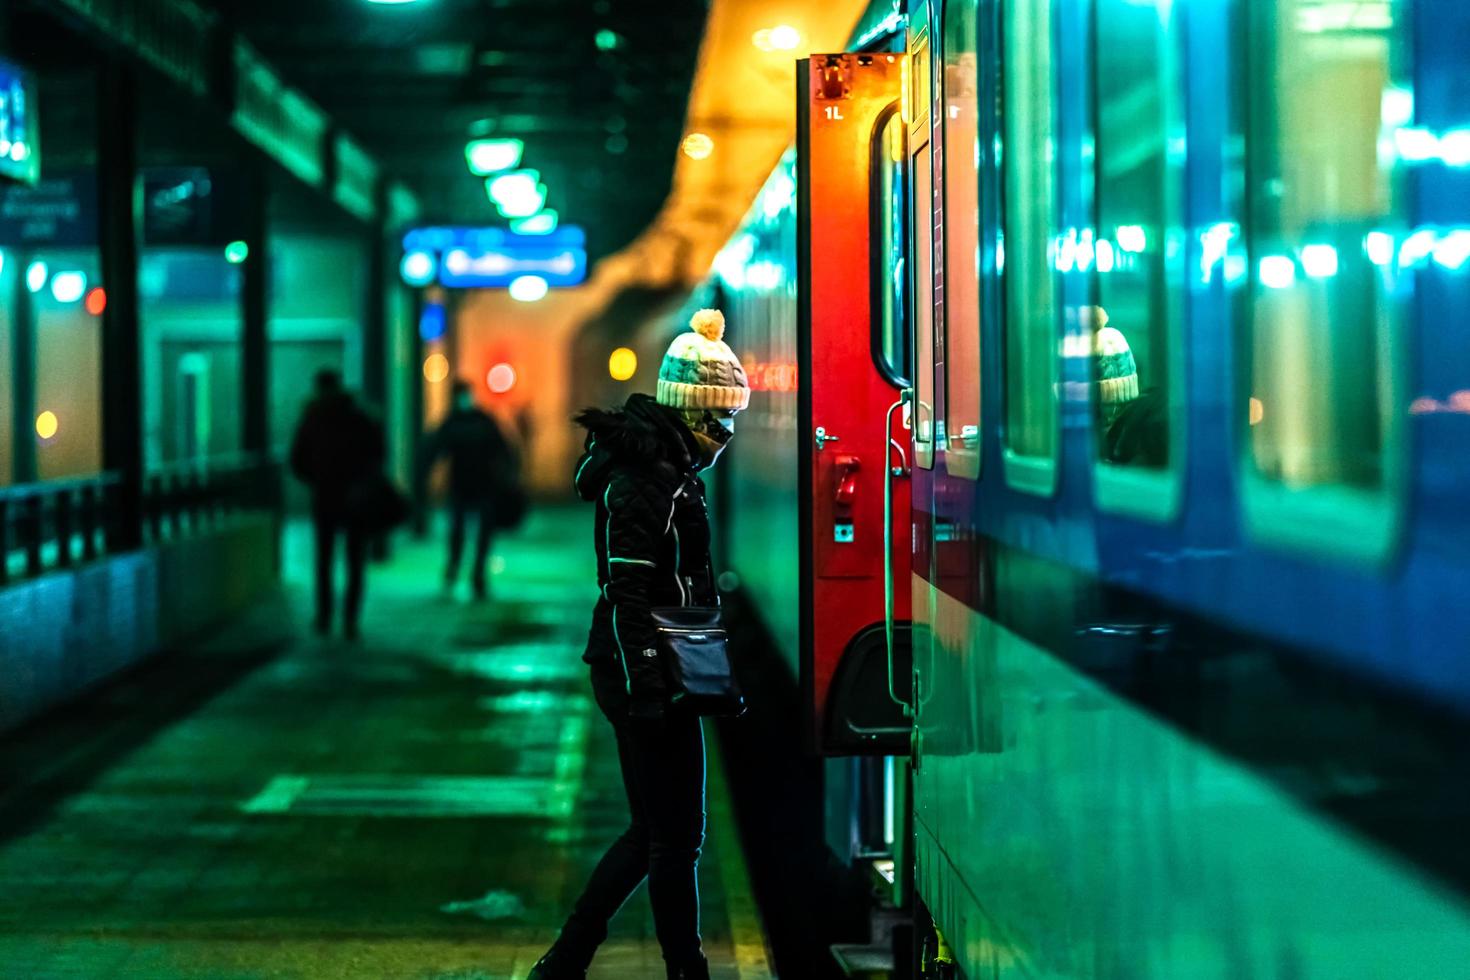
{"type": "Point", "coordinates": [961, 238]}
{"type": "Point", "coordinates": [1028, 159]}
{"type": "Point", "coordinates": [918, 93]}
{"type": "Point", "coordinates": [1137, 255]}
{"type": "Point", "coordinates": [923, 293]}
{"type": "Point", "coordinates": [1329, 97]}
{"type": "Point", "coordinates": [889, 237]}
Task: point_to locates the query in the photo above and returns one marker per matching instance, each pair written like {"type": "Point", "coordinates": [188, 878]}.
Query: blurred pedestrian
{"type": "Point", "coordinates": [483, 472]}
{"type": "Point", "coordinates": [337, 448]}
{"type": "Point", "coordinates": [651, 536]}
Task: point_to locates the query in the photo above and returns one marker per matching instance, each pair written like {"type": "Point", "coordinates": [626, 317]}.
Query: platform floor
{"type": "Point", "coordinates": [423, 804]}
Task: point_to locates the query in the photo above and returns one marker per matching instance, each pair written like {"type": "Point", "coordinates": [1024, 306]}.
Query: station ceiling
{"type": "Point", "coordinates": [598, 89]}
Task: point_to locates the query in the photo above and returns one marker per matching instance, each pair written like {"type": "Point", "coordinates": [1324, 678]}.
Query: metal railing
{"type": "Point", "coordinates": [59, 523]}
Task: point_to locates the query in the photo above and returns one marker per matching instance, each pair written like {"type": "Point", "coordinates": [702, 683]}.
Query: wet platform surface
{"type": "Point", "coordinates": [423, 804]}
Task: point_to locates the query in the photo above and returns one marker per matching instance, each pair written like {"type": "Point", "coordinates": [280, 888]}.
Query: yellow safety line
{"type": "Point", "coordinates": [747, 935]}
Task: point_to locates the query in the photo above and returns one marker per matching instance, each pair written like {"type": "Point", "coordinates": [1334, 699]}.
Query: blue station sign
{"type": "Point", "coordinates": [20, 148]}
{"type": "Point", "coordinates": [493, 258]}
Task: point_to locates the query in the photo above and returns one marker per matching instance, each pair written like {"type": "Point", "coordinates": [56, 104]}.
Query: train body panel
{"type": "Point", "coordinates": [1209, 717]}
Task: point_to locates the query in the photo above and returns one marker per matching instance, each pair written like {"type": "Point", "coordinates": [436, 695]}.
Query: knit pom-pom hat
{"type": "Point", "coordinates": [1117, 372]}
{"type": "Point", "coordinates": [700, 370]}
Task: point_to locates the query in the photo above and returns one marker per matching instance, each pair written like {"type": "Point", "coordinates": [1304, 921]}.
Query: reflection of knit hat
{"type": "Point", "coordinates": [700, 370]}
{"type": "Point", "coordinates": [1117, 373]}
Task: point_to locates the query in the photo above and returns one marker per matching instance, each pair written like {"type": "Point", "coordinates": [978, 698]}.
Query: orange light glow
{"type": "Point", "coordinates": [436, 368]}
{"type": "Point", "coordinates": [623, 364]}
{"type": "Point", "coordinates": [47, 425]}
{"type": "Point", "coordinates": [698, 146]}
{"type": "Point", "coordinates": [502, 378]}
{"type": "Point", "coordinates": [96, 302]}
{"type": "Point", "coordinates": [1258, 411]}
{"type": "Point", "coordinates": [773, 376]}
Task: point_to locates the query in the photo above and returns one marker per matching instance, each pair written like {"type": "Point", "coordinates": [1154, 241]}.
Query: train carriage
{"type": "Point", "coordinates": [1101, 486]}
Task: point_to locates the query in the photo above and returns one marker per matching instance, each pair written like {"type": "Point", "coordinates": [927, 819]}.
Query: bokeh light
{"type": "Point", "coordinates": [529, 289]}
{"type": "Point", "coordinates": [237, 252]}
{"type": "Point", "coordinates": [502, 378]}
{"type": "Point", "coordinates": [623, 364]}
{"type": "Point", "coordinates": [97, 301]}
{"type": "Point", "coordinates": [418, 268]}
{"type": "Point", "coordinates": [47, 426]}
{"type": "Point", "coordinates": [36, 275]}
{"type": "Point", "coordinates": [68, 286]}
{"type": "Point", "coordinates": [698, 146]}
{"type": "Point", "coordinates": [436, 368]}
{"type": "Point", "coordinates": [782, 37]}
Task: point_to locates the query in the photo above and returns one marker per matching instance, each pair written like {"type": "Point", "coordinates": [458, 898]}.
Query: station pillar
{"type": "Point", "coordinates": [255, 435]}
{"type": "Point", "coordinates": [23, 376]}
{"type": "Point", "coordinates": [120, 221]}
{"type": "Point", "coordinates": [375, 310]}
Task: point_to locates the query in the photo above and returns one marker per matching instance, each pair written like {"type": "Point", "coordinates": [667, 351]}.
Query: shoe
{"type": "Point", "coordinates": [697, 970]}
{"type": "Point", "coordinates": [554, 967]}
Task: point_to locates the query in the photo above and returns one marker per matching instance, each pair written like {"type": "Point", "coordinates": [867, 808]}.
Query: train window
{"type": "Point", "coordinates": [1326, 218]}
{"type": "Point", "coordinates": [1024, 256]}
{"type": "Point", "coordinates": [1137, 257]}
{"type": "Point", "coordinates": [889, 242]}
{"type": "Point", "coordinates": [961, 238]}
{"type": "Point", "coordinates": [923, 293]}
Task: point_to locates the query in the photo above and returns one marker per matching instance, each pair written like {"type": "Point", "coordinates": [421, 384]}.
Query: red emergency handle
{"type": "Point", "coordinates": [845, 492]}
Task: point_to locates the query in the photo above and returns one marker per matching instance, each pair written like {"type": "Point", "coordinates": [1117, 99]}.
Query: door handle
{"type": "Point", "coordinates": [822, 437]}
{"type": "Point", "coordinates": [845, 490]}
{"type": "Point", "coordinates": [905, 398]}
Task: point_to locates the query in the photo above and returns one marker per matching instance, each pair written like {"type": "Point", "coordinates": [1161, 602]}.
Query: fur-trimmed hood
{"type": "Point", "coordinates": [643, 433]}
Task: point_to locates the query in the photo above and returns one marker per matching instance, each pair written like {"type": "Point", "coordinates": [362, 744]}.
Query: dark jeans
{"type": "Point", "coordinates": [459, 511]}
{"type": "Point", "coordinates": [663, 774]}
{"type": "Point", "coordinates": [330, 524]}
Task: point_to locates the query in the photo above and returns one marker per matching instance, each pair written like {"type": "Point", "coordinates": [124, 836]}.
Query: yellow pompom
{"type": "Point", "coordinates": [709, 324]}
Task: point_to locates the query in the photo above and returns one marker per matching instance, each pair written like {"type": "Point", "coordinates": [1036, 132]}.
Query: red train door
{"type": "Point", "coordinates": [853, 438]}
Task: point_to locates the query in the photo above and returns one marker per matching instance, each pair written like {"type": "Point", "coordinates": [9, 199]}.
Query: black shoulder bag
{"type": "Point", "coordinates": [694, 649]}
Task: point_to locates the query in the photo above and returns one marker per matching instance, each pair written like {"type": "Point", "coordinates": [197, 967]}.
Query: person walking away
{"type": "Point", "coordinates": [337, 446]}
{"type": "Point", "coordinates": [482, 466]}
{"type": "Point", "coordinates": [641, 470]}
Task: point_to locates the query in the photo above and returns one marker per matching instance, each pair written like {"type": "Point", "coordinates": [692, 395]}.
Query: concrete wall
{"type": "Point", "coordinates": [68, 630]}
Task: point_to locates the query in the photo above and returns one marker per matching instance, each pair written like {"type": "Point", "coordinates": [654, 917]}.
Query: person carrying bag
{"type": "Point", "coordinates": [657, 648]}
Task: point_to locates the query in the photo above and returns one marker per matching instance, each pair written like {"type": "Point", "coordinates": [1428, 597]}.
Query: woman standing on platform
{"type": "Point", "coordinates": [641, 469]}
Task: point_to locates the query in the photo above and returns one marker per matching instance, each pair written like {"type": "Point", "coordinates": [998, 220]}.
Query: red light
{"type": "Point", "coordinates": [96, 301]}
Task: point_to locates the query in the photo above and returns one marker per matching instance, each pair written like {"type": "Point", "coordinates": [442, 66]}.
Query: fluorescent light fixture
{"type": "Point", "coordinates": [418, 268]}
{"type": "Point", "coordinates": [392, 3]}
{"type": "Point", "coordinates": [523, 205]}
{"type": "Point", "coordinates": [492, 156]}
{"type": "Point", "coordinates": [513, 185]}
{"type": "Point", "coordinates": [529, 289]}
{"type": "Point", "coordinates": [1319, 261]}
{"type": "Point", "coordinates": [543, 223]}
{"type": "Point", "coordinates": [69, 286]}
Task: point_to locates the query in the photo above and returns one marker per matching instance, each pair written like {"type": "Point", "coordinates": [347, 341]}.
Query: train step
{"type": "Point", "coordinates": [864, 962]}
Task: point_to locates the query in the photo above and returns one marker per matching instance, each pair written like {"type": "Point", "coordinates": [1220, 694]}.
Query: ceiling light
{"type": "Point", "coordinates": [543, 223]}
{"type": "Point", "coordinates": [782, 37]}
{"type": "Point", "coordinates": [512, 186]}
{"type": "Point", "coordinates": [392, 3]}
{"type": "Point", "coordinates": [491, 156]}
{"type": "Point", "coordinates": [523, 204]}
{"type": "Point", "coordinates": [529, 289]}
{"type": "Point", "coordinates": [698, 146]}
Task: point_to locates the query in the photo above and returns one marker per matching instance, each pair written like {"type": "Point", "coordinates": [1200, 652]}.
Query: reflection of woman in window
{"type": "Point", "coordinates": [1132, 425]}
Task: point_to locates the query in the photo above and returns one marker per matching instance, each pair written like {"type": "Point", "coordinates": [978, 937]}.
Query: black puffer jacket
{"type": "Point", "coordinates": [652, 535]}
